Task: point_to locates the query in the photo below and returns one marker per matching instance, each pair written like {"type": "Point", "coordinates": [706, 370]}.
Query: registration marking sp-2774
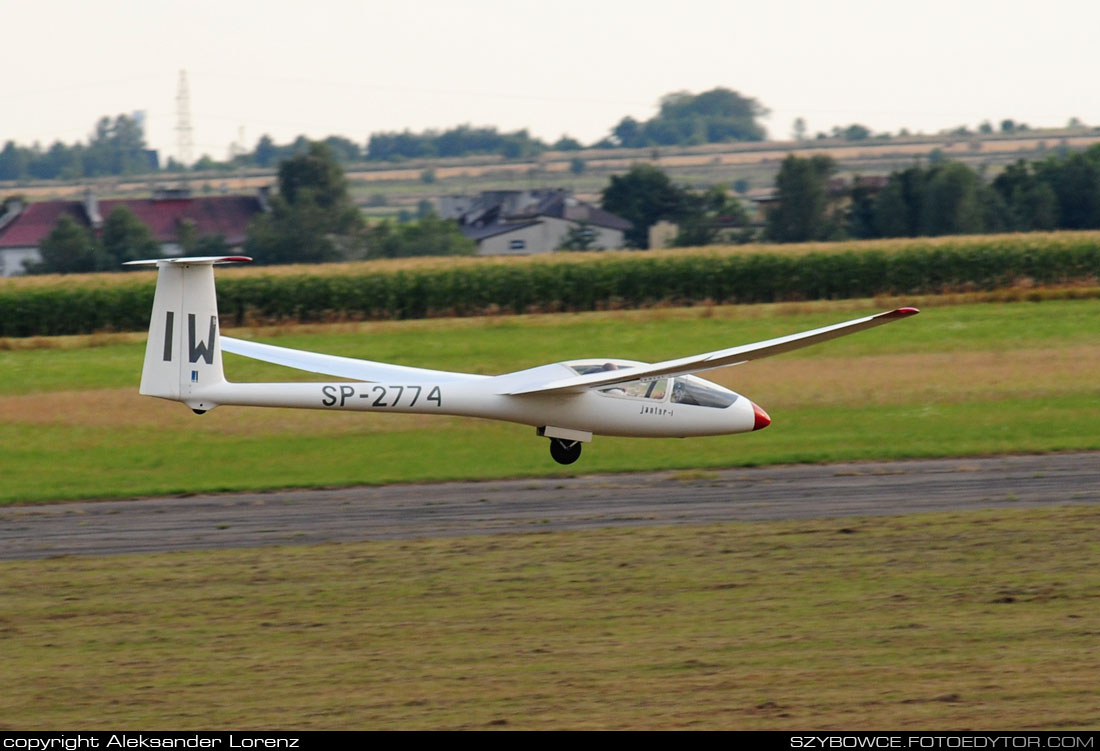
{"type": "Point", "coordinates": [338, 396]}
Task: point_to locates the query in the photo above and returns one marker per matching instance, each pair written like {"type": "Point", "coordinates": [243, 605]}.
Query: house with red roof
{"type": "Point", "coordinates": [24, 226]}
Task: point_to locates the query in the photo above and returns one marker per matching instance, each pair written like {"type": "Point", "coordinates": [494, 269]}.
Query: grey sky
{"type": "Point", "coordinates": [352, 68]}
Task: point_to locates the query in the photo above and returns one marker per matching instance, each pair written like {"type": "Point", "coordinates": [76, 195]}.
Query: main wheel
{"type": "Point", "coordinates": [565, 452]}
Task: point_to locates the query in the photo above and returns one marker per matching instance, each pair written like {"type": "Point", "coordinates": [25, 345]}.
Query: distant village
{"type": "Point", "coordinates": [687, 190]}
{"type": "Point", "coordinates": [501, 222]}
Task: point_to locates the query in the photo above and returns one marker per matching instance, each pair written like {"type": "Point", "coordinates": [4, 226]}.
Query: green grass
{"type": "Point", "coordinates": [956, 380]}
{"type": "Point", "coordinates": [60, 462]}
{"type": "Point", "coordinates": [506, 343]}
{"type": "Point", "coordinates": [937, 622]}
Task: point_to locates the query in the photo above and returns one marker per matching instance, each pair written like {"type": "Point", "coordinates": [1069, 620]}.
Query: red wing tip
{"type": "Point", "coordinates": [761, 420]}
{"type": "Point", "coordinates": [901, 313]}
{"type": "Point", "coordinates": [236, 259]}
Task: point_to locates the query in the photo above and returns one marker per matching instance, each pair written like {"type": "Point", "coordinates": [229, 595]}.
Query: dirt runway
{"type": "Point", "coordinates": [296, 517]}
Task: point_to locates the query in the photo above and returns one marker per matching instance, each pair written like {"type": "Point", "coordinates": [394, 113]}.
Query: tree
{"type": "Point", "coordinates": [947, 198]}
{"type": "Point", "coordinates": [798, 131]}
{"type": "Point", "coordinates": [715, 116]}
{"type": "Point", "coordinates": [1031, 202]}
{"type": "Point", "coordinates": [567, 143]}
{"type": "Point", "coordinates": [1075, 181]}
{"type": "Point", "coordinates": [125, 238]}
{"type": "Point", "coordinates": [628, 133]}
{"type": "Point", "coordinates": [315, 176]}
{"type": "Point", "coordinates": [117, 147]}
{"type": "Point", "coordinates": [892, 215]}
{"type": "Point", "coordinates": [711, 216]}
{"type": "Point", "coordinates": [802, 200]}
{"type": "Point", "coordinates": [63, 162]}
{"type": "Point", "coordinates": [457, 141]}
{"type": "Point", "coordinates": [212, 245]}
{"type": "Point", "coordinates": [954, 203]}
{"type": "Point", "coordinates": [344, 149]}
{"type": "Point", "coordinates": [204, 163]}
{"type": "Point", "coordinates": [13, 162]}
{"type": "Point", "coordinates": [68, 249]}
{"type": "Point", "coordinates": [266, 152]}
{"type": "Point", "coordinates": [861, 211]}
{"type": "Point", "coordinates": [644, 196]}
{"type": "Point", "coordinates": [312, 219]}
{"type": "Point", "coordinates": [854, 132]}
{"type": "Point", "coordinates": [579, 237]}
{"type": "Point", "coordinates": [427, 236]}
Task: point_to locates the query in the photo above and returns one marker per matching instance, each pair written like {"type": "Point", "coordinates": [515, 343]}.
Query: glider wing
{"type": "Point", "coordinates": [718, 359]}
{"type": "Point", "coordinates": [334, 365]}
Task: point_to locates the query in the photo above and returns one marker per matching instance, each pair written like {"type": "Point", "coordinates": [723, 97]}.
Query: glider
{"type": "Point", "coordinates": [567, 402]}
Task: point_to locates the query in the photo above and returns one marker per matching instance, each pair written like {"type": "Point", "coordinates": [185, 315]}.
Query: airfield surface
{"type": "Point", "coordinates": [296, 517]}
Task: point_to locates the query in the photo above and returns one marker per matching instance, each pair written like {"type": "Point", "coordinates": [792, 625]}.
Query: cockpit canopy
{"type": "Point", "coordinates": [684, 389]}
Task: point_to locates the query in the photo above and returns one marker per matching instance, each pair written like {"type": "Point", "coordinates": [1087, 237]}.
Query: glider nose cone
{"type": "Point", "coordinates": [762, 420]}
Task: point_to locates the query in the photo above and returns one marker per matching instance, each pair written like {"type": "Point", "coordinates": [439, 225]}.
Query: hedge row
{"type": "Point", "coordinates": [620, 281]}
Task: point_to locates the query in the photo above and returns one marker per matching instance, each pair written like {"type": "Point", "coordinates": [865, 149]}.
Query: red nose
{"type": "Point", "coordinates": [762, 419]}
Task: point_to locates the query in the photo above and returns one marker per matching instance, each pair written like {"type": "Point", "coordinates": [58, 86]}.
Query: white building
{"type": "Point", "coordinates": [523, 222]}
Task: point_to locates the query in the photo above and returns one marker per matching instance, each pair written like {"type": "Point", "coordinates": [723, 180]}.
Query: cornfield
{"type": "Point", "coordinates": [420, 288]}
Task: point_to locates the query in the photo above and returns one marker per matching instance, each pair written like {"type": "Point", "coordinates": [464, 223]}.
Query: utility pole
{"type": "Point", "coordinates": [184, 142]}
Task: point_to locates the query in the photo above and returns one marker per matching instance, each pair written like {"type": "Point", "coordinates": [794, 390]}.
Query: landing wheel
{"type": "Point", "coordinates": [565, 452]}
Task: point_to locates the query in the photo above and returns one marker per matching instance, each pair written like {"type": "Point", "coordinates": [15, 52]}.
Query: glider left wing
{"type": "Point", "coordinates": [711, 360]}
{"type": "Point", "coordinates": [334, 365]}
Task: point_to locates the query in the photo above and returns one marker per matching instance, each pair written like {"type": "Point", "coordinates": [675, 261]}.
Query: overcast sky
{"type": "Point", "coordinates": [353, 67]}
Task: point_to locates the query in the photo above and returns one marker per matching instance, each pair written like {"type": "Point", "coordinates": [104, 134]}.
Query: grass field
{"type": "Point", "coordinates": [942, 621]}
{"type": "Point", "coordinates": [974, 619]}
{"type": "Point", "coordinates": [956, 380]}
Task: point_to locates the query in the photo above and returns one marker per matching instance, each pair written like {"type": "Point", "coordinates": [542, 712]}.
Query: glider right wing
{"type": "Point", "coordinates": [711, 360]}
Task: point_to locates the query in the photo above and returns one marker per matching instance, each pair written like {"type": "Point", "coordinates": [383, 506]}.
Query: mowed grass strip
{"type": "Point", "coordinates": [58, 462]}
{"type": "Point", "coordinates": [501, 344]}
{"type": "Point", "coordinates": [937, 622]}
{"type": "Point", "coordinates": [963, 380]}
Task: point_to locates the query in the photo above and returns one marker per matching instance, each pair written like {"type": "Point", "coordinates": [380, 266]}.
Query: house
{"type": "Point", "coordinates": [522, 222]}
{"type": "Point", "coordinates": [167, 213]}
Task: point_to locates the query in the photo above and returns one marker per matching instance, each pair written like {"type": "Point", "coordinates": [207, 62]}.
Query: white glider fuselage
{"type": "Point", "coordinates": [568, 402]}
{"type": "Point", "coordinates": [613, 413]}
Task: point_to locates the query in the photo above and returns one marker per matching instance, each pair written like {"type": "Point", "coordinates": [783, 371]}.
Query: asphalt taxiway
{"type": "Point", "coordinates": [295, 517]}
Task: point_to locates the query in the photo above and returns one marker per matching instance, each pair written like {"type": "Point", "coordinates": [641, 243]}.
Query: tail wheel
{"type": "Point", "coordinates": [565, 452]}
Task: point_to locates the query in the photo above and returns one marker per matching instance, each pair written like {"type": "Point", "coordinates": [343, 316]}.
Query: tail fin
{"type": "Point", "coordinates": [183, 356]}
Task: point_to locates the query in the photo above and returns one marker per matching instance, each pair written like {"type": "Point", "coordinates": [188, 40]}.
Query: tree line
{"type": "Point", "coordinates": [1061, 191]}
{"type": "Point", "coordinates": [646, 195]}
{"type": "Point", "coordinates": [117, 146]}
{"type": "Point", "coordinates": [72, 248]}
{"type": "Point", "coordinates": [312, 220]}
